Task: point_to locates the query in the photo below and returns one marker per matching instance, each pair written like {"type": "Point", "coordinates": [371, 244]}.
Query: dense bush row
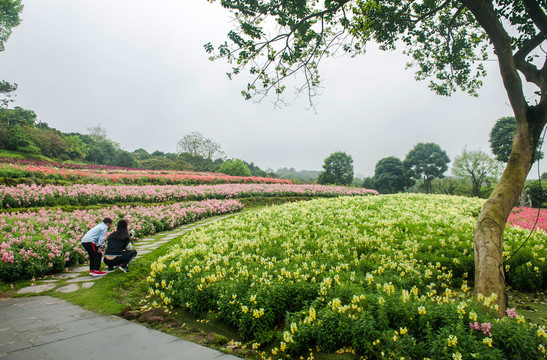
{"type": "Point", "coordinates": [386, 276]}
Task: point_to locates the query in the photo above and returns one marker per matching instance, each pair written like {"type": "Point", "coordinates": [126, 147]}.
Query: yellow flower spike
{"type": "Point", "coordinates": [487, 341]}
{"type": "Point", "coordinates": [473, 316]}
{"type": "Point", "coordinates": [381, 300]}
{"type": "Point", "coordinates": [452, 340]}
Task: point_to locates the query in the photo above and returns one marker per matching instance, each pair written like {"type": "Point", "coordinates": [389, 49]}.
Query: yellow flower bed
{"type": "Point", "coordinates": [387, 274]}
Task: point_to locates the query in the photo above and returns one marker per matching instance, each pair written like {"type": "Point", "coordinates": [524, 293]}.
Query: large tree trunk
{"type": "Point", "coordinates": [489, 275]}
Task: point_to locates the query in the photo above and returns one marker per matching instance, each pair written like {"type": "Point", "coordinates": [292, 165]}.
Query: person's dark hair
{"type": "Point", "coordinates": [107, 220]}
{"type": "Point", "coordinates": [121, 232]}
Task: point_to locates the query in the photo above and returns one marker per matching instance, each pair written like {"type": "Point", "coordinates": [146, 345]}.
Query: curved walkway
{"type": "Point", "coordinates": [44, 327]}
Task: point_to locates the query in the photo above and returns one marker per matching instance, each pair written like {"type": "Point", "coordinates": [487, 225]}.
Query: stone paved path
{"type": "Point", "coordinates": [78, 277]}
{"type": "Point", "coordinates": [44, 327]}
{"type": "Point", "coordinates": [47, 328]}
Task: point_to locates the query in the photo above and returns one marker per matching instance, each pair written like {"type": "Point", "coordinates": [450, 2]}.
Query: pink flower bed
{"type": "Point", "coordinates": [37, 243]}
{"type": "Point", "coordinates": [49, 195]}
{"type": "Point", "coordinates": [525, 218]}
{"type": "Point", "coordinates": [128, 176]}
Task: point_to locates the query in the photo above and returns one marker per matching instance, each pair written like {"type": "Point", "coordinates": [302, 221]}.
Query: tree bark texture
{"type": "Point", "coordinates": [488, 241]}
{"type": "Point", "coordinates": [488, 238]}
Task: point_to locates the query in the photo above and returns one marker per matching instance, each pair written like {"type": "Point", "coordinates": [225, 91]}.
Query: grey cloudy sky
{"type": "Point", "coordinates": [138, 68]}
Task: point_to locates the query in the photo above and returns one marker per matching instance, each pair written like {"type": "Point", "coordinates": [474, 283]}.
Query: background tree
{"type": "Point", "coordinates": [196, 144]}
{"type": "Point", "coordinates": [98, 133]}
{"type": "Point", "coordinates": [125, 159]}
{"type": "Point", "coordinates": [368, 183]}
{"type": "Point", "coordinates": [390, 176]}
{"type": "Point", "coordinates": [198, 153]}
{"type": "Point", "coordinates": [76, 150]}
{"type": "Point", "coordinates": [425, 162]}
{"type": "Point", "coordinates": [501, 139]}
{"type": "Point", "coordinates": [9, 18]}
{"type": "Point", "coordinates": [447, 40]}
{"type": "Point", "coordinates": [478, 166]}
{"type": "Point", "coordinates": [6, 90]}
{"type": "Point", "coordinates": [451, 186]}
{"type": "Point", "coordinates": [337, 169]}
{"type": "Point", "coordinates": [297, 176]}
{"type": "Point", "coordinates": [257, 171]}
{"type": "Point", "coordinates": [51, 143]}
{"type": "Point", "coordinates": [234, 167]}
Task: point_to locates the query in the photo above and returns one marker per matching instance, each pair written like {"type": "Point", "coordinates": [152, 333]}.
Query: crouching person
{"type": "Point", "coordinates": [118, 253]}
{"type": "Point", "coordinates": [93, 242]}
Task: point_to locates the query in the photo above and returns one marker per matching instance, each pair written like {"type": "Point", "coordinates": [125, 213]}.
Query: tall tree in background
{"type": "Point", "coordinates": [9, 18]}
{"type": "Point", "coordinates": [337, 169]}
{"type": "Point", "coordinates": [390, 176]}
{"type": "Point", "coordinates": [478, 166]}
{"type": "Point", "coordinates": [6, 89]}
{"type": "Point", "coordinates": [447, 40]}
{"type": "Point", "coordinates": [196, 144]}
{"type": "Point", "coordinates": [425, 162]}
{"type": "Point", "coordinates": [501, 139]}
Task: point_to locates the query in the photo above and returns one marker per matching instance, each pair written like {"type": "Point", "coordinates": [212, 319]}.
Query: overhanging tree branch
{"type": "Point", "coordinates": [484, 13]}
{"type": "Point", "coordinates": [531, 73]}
{"type": "Point", "coordinates": [537, 14]}
{"type": "Point", "coordinates": [432, 12]}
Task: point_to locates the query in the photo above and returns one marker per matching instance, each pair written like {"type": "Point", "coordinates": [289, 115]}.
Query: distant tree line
{"type": "Point", "coordinates": [423, 169]}
{"type": "Point", "coordinates": [21, 132]}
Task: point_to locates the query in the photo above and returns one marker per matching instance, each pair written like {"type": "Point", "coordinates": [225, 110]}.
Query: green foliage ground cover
{"type": "Point", "coordinates": [384, 276]}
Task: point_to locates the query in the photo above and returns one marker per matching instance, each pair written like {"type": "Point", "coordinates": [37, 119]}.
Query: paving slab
{"type": "Point", "coordinates": [79, 269]}
{"type": "Point", "coordinates": [36, 289]}
{"type": "Point", "coordinates": [147, 246]}
{"type": "Point", "coordinates": [161, 242]}
{"type": "Point", "coordinates": [70, 275]}
{"type": "Point", "coordinates": [68, 288]}
{"type": "Point", "coordinates": [47, 328]}
{"type": "Point", "coordinates": [83, 278]}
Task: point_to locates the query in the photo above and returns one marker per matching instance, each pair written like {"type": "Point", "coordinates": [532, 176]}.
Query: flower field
{"type": "Point", "coordinates": [47, 171]}
{"type": "Point", "coordinates": [525, 218]}
{"type": "Point", "coordinates": [37, 243]}
{"type": "Point", "coordinates": [50, 195]}
{"type": "Point", "coordinates": [379, 276]}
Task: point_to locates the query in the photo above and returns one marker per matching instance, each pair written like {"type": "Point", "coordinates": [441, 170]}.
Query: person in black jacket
{"type": "Point", "coordinates": [117, 254]}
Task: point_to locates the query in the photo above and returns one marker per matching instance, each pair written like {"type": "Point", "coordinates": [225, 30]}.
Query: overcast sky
{"type": "Point", "coordinates": [138, 68]}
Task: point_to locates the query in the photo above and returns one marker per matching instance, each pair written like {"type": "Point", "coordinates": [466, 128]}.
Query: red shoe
{"type": "Point", "coordinates": [97, 273]}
